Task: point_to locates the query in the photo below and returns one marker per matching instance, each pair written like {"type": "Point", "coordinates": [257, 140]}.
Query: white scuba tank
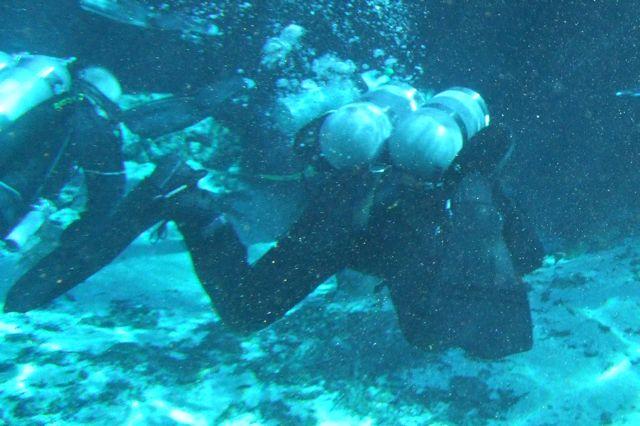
{"type": "Point", "coordinates": [355, 134]}
{"type": "Point", "coordinates": [30, 81]}
{"type": "Point", "coordinates": [29, 225]}
{"type": "Point", "coordinates": [427, 141]}
{"type": "Point", "coordinates": [103, 80]}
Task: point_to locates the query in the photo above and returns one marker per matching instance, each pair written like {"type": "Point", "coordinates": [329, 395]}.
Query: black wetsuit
{"type": "Point", "coordinates": [373, 223]}
{"type": "Point", "coordinates": [40, 150]}
{"type": "Point", "coordinates": [453, 274]}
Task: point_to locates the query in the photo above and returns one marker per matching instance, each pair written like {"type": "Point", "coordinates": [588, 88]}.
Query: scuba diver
{"type": "Point", "coordinates": [46, 127]}
{"type": "Point", "coordinates": [400, 187]}
{"type": "Point", "coordinates": [50, 123]}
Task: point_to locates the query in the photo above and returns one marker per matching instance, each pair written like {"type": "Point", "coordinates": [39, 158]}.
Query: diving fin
{"type": "Point", "coordinates": [164, 116]}
{"type": "Point", "coordinates": [472, 298]}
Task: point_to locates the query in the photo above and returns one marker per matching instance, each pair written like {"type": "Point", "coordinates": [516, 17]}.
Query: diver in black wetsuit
{"type": "Point", "coordinates": [384, 198]}
{"type": "Point", "coordinates": [48, 125]}
{"type": "Point", "coordinates": [451, 256]}
{"type": "Point", "coordinates": [46, 128]}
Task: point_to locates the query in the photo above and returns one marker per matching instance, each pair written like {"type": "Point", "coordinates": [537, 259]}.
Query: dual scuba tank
{"type": "Point", "coordinates": [422, 136]}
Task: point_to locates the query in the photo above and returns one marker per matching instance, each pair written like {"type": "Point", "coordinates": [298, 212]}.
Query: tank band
{"type": "Point", "coordinates": [456, 117]}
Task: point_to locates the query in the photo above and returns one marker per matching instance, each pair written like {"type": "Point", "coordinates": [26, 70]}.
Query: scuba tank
{"type": "Point", "coordinates": [427, 141]}
{"type": "Point", "coordinates": [422, 137]}
{"type": "Point", "coordinates": [355, 134]}
{"type": "Point", "coordinates": [28, 82]}
{"type": "Point", "coordinates": [28, 226]}
{"type": "Point", "coordinates": [104, 81]}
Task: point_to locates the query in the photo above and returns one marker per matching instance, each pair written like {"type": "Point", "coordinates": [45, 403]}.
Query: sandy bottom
{"type": "Point", "coordinates": [138, 344]}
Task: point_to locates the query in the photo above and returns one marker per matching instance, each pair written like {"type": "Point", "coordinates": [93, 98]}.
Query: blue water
{"type": "Point", "coordinates": [138, 343]}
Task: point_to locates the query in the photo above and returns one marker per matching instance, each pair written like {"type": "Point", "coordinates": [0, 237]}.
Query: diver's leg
{"type": "Point", "coordinates": [77, 258]}
{"type": "Point", "coordinates": [250, 297]}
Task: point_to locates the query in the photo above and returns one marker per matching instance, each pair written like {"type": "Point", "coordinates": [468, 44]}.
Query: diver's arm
{"type": "Point", "coordinates": [19, 190]}
{"type": "Point", "coordinates": [483, 154]}
{"type": "Point", "coordinates": [32, 158]}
